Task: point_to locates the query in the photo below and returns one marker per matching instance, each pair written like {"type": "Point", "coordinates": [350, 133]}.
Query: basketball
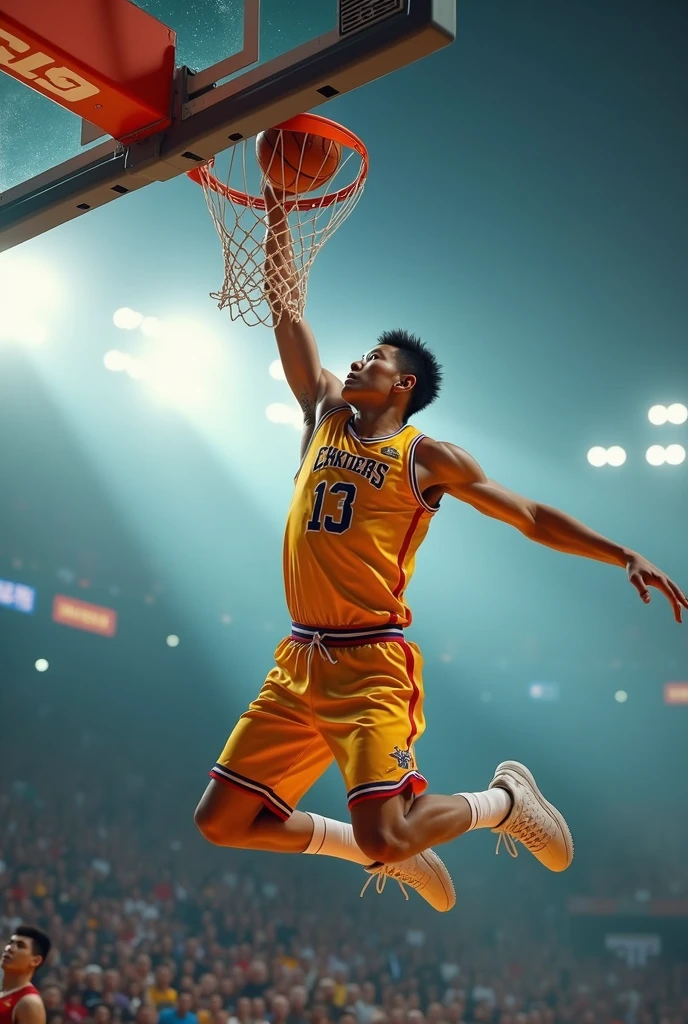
{"type": "Point", "coordinates": [296, 162]}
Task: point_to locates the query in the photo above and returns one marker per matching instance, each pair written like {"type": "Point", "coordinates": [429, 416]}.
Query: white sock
{"type": "Point", "coordinates": [334, 839]}
{"type": "Point", "coordinates": [488, 809]}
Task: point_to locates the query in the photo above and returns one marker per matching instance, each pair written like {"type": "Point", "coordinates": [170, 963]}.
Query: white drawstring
{"type": "Point", "coordinates": [317, 644]}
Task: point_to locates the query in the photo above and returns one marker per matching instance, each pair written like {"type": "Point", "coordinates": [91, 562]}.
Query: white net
{"type": "Point", "coordinates": [238, 210]}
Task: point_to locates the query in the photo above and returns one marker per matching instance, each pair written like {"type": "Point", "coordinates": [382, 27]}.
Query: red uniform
{"type": "Point", "coordinates": [9, 1000]}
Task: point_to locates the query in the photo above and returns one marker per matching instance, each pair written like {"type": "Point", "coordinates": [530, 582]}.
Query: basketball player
{"type": "Point", "coordinates": [346, 684]}
{"type": "Point", "coordinates": [20, 1002]}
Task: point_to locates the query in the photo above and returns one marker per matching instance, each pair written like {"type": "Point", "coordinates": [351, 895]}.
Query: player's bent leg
{"type": "Point", "coordinates": [224, 816]}
{"type": "Point", "coordinates": [394, 829]}
{"type": "Point", "coordinates": [230, 817]}
{"type": "Point", "coordinates": [381, 831]}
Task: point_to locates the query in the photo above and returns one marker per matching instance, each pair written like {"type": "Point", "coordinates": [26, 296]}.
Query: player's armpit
{"type": "Point", "coordinates": [331, 392]}
{"type": "Point", "coordinates": [446, 466]}
{"type": "Point", "coordinates": [30, 1010]}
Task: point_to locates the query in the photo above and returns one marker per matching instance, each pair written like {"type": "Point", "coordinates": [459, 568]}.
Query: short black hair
{"type": "Point", "coordinates": [39, 940]}
{"type": "Point", "coordinates": [416, 358]}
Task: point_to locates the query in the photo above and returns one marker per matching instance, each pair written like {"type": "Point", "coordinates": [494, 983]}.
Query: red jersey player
{"type": "Point", "coordinates": [20, 1002]}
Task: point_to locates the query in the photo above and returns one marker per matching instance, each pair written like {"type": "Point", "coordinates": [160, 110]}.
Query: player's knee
{"type": "Point", "coordinates": [225, 818]}
{"type": "Point", "coordinates": [382, 843]}
{"type": "Point", "coordinates": [218, 829]}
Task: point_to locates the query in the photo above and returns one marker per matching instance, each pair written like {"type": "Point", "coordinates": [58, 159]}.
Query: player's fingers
{"type": "Point", "coordinates": [663, 584]}
{"type": "Point", "coordinates": [679, 594]}
{"type": "Point", "coordinates": [679, 598]}
{"type": "Point", "coordinates": [639, 584]}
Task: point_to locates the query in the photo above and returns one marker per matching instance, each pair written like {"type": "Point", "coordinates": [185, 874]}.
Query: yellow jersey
{"type": "Point", "coordinates": [355, 522]}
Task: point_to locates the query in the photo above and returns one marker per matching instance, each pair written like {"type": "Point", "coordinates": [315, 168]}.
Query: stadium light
{"type": "Point", "coordinates": [127, 319]}
{"type": "Point", "coordinates": [674, 454]}
{"type": "Point", "coordinates": [115, 361]}
{"type": "Point", "coordinates": [655, 455]}
{"type": "Point", "coordinates": [616, 456]}
{"type": "Point", "coordinates": [136, 369]}
{"type": "Point", "coordinates": [151, 327]}
{"type": "Point", "coordinates": [23, 304]}
{"type": "Point", "coordinates": [278, 412]}
{"type": "Point", "coordinates": [42, 665]}
{"type": "Point", "coordinates": [677, 414]}
{"type": "Point", "coordinates": [181, 364]}
{"type": "Point", "coordinates": [658, 415]}
{"type": "Point", "coordinates": [597, 457]}
{"type": "Point", "coordinates": [276, 370]}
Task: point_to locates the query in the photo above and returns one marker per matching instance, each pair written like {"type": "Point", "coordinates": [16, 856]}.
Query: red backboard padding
{"type": "Point", "coordinates": [105, 60]}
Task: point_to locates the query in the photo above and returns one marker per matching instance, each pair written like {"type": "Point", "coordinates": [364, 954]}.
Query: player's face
{"type": "Point", "coordinates": [374, 378]}
{"type": "Point", "coordinates": [18, 956]}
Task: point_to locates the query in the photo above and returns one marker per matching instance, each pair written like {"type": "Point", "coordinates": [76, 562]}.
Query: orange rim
{"type": "Point", "coordinates": [308, 124]}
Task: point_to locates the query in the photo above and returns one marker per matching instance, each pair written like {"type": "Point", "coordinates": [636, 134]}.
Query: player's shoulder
{"type": "Point", "coordinates": [30, 1009]}
{"type": "Point", "coordinates": [443, 460]}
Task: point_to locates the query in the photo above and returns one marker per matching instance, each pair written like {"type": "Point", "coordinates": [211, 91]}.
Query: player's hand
{"type": "Point", "coordinates": [643, 574]}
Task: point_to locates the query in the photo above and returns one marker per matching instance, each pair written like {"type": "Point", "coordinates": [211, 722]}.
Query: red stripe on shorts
{"type": "Point", "coordinates": [415, 696]}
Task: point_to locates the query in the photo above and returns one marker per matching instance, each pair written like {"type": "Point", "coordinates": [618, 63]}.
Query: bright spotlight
{"type": "Point", "coordinates": [658, 415]}
{"type": "Point", "coordinates": [172, 640]}
{"type": "Point", "coordinates": [115, 361]}
{"type": "Point", "coordinates": [677, 414]}
{"type": "Point", "coordinates": [28, 284]}
{"type": "Point", "coordinates": [655, 455]}
{"type": "Point", "coordinates": [616, 456]}
{"type": "Point", "coordinates": [620, 696]}
{"type": "Point", "coordinates": [674, 454]}
{"type": "Point", "coordinates": [126, 319]}
{"type": "Point", "coordinates": [151, 327]}
{"type": "Point", "coordinates": [181, 365]}
{"type": "Point", "coordinates": [28, 289]}
{"type": "Point", "coordinates": [136, 369]}
{"type": "Point", "coordinates": [42, 665]}
{"type": "Point", "coordinates": [597, 456]}
{"type": "Point", "coordinates": [276, 370]}
{"type": "Point", "coordinates": [278, 412]}
{"type": "Point", "coordinates": [21, 326]}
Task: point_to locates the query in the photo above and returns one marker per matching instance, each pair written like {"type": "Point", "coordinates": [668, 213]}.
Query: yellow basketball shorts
{"type": "Point", "coordinates": [350, 695]}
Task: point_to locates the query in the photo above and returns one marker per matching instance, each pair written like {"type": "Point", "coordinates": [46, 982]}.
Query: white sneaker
{"type": "Point", "coordinates": [425, 873]}
{"type": "Point", "coordinates": [532, 821]}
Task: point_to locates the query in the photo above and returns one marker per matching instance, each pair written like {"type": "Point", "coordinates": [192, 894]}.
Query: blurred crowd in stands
{"type": "Point", "coordinates": [149, 928]}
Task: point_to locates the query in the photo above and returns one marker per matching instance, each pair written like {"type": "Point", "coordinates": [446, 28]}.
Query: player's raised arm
{"type": "Point", "coordinates": [446, 467]}
{"type": "Point", "coordinates": [298, 350]}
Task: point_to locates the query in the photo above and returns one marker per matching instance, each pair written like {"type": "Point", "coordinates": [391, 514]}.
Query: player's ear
{"type": "Point", "coordinates": [406, 383]}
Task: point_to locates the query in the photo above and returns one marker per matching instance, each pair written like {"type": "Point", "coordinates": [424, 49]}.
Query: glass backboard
{"type": "Point", "coordinates": [36, 134]}
{"type": "Point", "coordinates": [242, 66]}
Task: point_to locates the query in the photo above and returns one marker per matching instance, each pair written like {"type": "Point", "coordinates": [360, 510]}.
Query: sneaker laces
{"type": "Point", "coordinates": [529, 827]}
{"type": "Point", "coordinates": [395, 871]}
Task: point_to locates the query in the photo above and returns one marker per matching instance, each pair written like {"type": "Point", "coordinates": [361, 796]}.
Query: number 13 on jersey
{"type": "Point", "coordinates": [345, 508]}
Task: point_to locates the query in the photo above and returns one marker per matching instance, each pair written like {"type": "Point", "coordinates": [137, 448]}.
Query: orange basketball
{"type": "Point", "coordinates": [295, 162]}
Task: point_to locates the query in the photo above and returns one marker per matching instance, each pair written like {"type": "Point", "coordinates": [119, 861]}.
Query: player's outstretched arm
{"type": "Point", "coordinates": [442, 465]}
{"type": "Point", "coordinates": [312, 385]}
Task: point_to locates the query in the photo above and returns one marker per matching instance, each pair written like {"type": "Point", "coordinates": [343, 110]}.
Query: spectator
{"type": "Point", "coordinates": [182, 1012]}
{"type": "Point", "coordinates": [161, 994]}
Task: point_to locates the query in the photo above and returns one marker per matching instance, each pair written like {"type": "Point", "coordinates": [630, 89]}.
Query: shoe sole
{"type": "Point", "coordinates": [438, 870]}
{"type": "Point", "coordinates": [527, 776]}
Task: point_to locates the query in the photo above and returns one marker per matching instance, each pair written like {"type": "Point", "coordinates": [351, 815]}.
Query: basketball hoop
{"type": "Point", "coordinates": [239, 217]}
